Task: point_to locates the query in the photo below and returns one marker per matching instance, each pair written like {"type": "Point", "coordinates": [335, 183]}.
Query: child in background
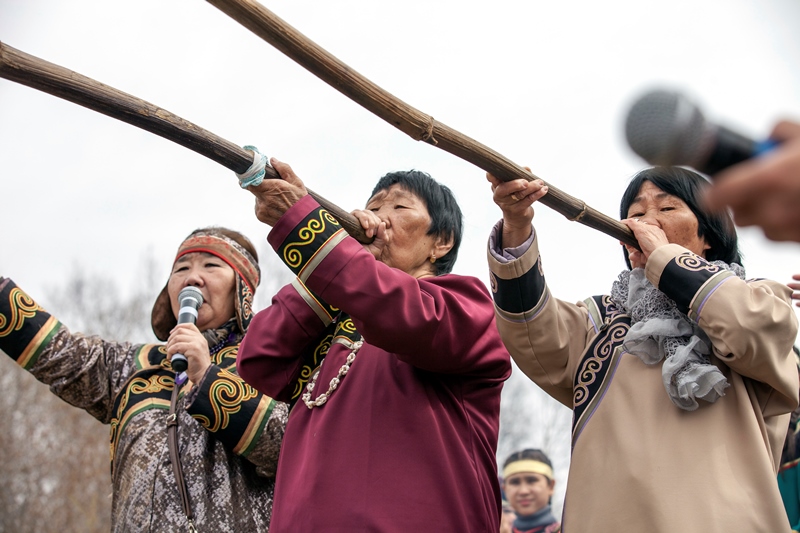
{"type": "Point", "coordinates": [528, 484]}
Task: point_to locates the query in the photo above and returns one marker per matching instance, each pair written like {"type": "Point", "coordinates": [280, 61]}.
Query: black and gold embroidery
{"type": "Point", "coordinates": [309, 243]}
{"type": "Point", "coordinates": [147, 389]}
{"type": "Point", "coordinates": [229, 395]}
{"type": "Point", "coordinates": [226, 393]}
{"type": "Point", "coordinates": [25, 328]}
{"type": "Point", "coordinates": [311, 362]}
{"type": "Point", "coordinates": [341, 331]}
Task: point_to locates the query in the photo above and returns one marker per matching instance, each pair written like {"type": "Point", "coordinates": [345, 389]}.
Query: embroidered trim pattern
{"type": "Point", "coordinates": [225, 396]}
{"type": "Point", "coordinates": [291, 253]}
{"type": "Point", "coordinates": [22, 307]}
{"type": "Point", "coordinates": [694, 263]}
{"type": "Point", "coordinates": [317, 356]}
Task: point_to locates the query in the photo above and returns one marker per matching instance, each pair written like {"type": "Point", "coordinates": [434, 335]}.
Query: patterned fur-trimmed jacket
{"type": "Point", "coordinates": [229, 434]}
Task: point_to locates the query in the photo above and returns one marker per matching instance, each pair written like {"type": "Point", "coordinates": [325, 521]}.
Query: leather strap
{"type": "Point", "coordinates": [174, 457]}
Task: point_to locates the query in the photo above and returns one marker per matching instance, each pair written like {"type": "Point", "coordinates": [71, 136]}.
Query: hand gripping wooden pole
{"type": "Point", "coordinates": [50, 78]}
{"type": "Point", "coordinates": [407, 119]}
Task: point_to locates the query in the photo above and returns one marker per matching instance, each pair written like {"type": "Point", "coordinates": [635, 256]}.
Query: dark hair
{"type": "Point", "coordinates": [446, 217]}
{"type": "Point", "coordinates": [716, 228]}
{"type": "Point", "coordinates": [532, 454]}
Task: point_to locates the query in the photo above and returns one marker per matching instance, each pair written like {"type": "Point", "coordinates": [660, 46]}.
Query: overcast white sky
{"type": "Point", "coordinates": [545, 83]}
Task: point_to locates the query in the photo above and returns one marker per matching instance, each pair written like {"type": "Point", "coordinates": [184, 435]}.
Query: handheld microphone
{"type": "Point", "coordinates": [666, 128]}
{"type": "Point", "coordinates": [190, 299]}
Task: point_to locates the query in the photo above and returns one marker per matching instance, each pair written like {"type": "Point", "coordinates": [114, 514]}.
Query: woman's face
{"type": "Point", "coordinates": [216, 281]}
{"type": "Point", "coordinates": [408, 246]}
{"type": "Point", "coordinates": [671, 214]}
{"type": "Point", "coordinates": [527, 492]}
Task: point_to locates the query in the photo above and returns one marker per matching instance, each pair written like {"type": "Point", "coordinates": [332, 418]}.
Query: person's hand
{"type": "Point", "coordinates": [796, 289]}
{"type": "Point", "coordinates": [515, 199]}
{"type": "Point", "coordinates": [274, 197]}
{"type": "Point", "coordinates": [765, 190]}
{"type": "Point", "coordinates": [649, 238]}
{"type": "Point", "coordinates": [186, 339]}
{"type": "Point", "coordinates": [373, 227]}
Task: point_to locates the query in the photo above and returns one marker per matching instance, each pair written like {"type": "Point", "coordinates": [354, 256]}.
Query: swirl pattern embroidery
{"type": "Point", "coordinates": [291, 253]}
{"type": "Point", "coordinates": [137, 385]}
{"type": "Point", "coordinates": [226, 396]}
{"type": "Point", "coordinates": [229, 352]}
{"type": "Point", "coordinates": [305, 374]}
{"type": "Point", "coordinates": [612, 311]}
{"type": "Point", "coordinates": [22, 308]}
{"type": "Point", "coordinates": [695, 263]}
{"type": "Point", "coordinates": [592, 365]}
{"type": "Point", "coordinates": [346, 326]}
{"type": "Point", "coordinates": [247, 303]}
{"type": "Point", "coordinates": [148, 386]}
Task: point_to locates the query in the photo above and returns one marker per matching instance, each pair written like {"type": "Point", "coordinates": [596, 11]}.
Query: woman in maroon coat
{"type": "Point", "coordinates": [397, 430]}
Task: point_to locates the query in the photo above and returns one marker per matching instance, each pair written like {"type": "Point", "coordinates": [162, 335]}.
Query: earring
{"type": "Point", "coordinates": [433, 259]}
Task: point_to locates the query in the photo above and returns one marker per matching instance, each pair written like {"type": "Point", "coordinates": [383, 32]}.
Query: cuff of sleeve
{"type": "Point", "coordinates": [197, 387]}
{"type": "Point", "coordinates": [685, 277]}
{"type": "Point", "coordinates": [231, 409]}
{"type": "Point", "coordinates": [659, 259]}
{"type": "Point", "coordinates": [505, 255]}
{"type": "Point", "coordinates": [25, 328]}
{"type": "Point", "coordinates": [518, 286]}
{"type": "Point", "coordinates": [304, 236]}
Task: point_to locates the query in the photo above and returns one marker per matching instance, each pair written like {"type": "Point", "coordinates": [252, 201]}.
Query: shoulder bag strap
{"type": "Point", "coordinates": [174, 457]}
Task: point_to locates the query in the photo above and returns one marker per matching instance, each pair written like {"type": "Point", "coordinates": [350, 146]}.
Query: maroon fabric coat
{"type": "Point", "coordinates": [407, 441]}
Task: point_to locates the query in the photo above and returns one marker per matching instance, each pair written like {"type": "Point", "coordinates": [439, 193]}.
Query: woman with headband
{"type": "Point", "coordinates": [202, 454]}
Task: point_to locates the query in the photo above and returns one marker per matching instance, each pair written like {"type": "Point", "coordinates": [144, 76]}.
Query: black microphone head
{"type": "Point", "coordinates": [665, 128]}
{"type": "Point", "coordinates": [190, 297]}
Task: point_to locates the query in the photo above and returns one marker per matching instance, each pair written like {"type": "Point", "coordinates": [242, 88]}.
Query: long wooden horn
{"type": "Point", "coordinates": [50, 78]}
{"type": "Point", "coordinates": [407, 119]}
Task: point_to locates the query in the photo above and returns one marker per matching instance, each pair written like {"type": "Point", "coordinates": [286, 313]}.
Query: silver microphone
{"type": "Point", "coordinates": [190, 299]}
{"type": "Point", "coordinates": [666, 128]}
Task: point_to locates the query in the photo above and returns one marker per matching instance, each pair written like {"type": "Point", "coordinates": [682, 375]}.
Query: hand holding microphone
{"type": "Point", "coordinates": [186, 344]}
{"type": "Point", "coordinates": [666, 128]}
{"type": "Point", "coordinates": [765, 191]}
{"type": "Point", "coordinates": [758, 180]}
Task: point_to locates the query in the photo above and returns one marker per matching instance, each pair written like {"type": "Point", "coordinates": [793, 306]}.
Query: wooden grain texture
{"type": "Point", "coordinates": [53, 79]}
{"type": "Point", "coordinates": [404, 117]}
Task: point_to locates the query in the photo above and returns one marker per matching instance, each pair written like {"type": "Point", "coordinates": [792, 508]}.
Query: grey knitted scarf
{"type": "Point", "coordinates": [659, 331]}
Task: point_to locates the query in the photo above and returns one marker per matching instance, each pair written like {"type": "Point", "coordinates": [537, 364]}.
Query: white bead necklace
{"type": "Point", "coordinates": [322, 398]}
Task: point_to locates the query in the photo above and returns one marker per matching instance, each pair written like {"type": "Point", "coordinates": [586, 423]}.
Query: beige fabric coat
{"type": "Point", "coordinates": [639, 463]}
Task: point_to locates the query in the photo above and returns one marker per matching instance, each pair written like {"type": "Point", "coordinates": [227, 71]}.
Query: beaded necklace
{"type": "Point", "coordinates": [322, 398]}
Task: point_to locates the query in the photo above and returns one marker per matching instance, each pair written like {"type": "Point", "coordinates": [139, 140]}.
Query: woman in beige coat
{"type": "Point", "coordinates": [681, 379]}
